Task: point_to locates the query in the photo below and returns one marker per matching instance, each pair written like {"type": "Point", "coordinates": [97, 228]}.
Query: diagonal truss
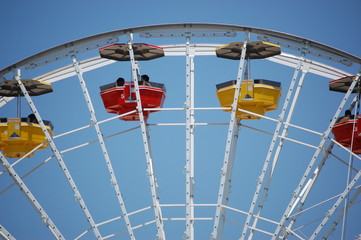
{"type": "Point", "coordinates": [308, 186]}
{"type": "Point", "coordinates": [146, 142]}
{"type": "Point", "coordinates": [232, 138]}
{"type": "Point", "coordinates": [5, 234]}
{"type": "Point", "coordinates": [190, 51]}
{"type": "Point", "coordinates": [307, 189]}
{"type": "Point", "coordinates": [348, 204]}
{"type": "Point", "coordinates": [24, 189]}
{"type": "Point", "coordinates": [342, 197]}
{"type": "Point", "coordinates": [59, 158]}
{"type": "Point", "coordinates": [103, 146]}
{"type": "Point", "coordinates": [296, 193]}
{"type": "Point", "coordinates": [267, 162]}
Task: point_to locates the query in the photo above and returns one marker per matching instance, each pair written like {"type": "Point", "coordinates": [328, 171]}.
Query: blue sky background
{"type": "Point", "coordinates": [28, 27]}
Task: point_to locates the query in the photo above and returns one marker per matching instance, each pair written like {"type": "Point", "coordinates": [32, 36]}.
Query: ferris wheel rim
{"type": "Point", "coordinates": [43, 54]}
{"type": "Point", "coordinates": [65, 48]}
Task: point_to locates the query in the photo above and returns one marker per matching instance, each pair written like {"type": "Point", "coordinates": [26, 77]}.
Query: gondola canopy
{"type": "Point", "coordinates": [343, 84]}
{"type": "Point", "coordinates": [11, 88]}
{"type": "Point", "coordinates": [255, 50]}
{"type": "Point", "coordinates": [142, 52]}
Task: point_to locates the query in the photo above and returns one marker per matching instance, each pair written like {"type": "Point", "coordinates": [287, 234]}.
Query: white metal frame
{"type": "Point", "coordinates": [44, 216]}
{"type": "Point", "coordinates": [5, 234]}
{"type": "Point", "coordinates": [232, 137]}
{"type": "Point", "coordinates": [61, 162]}
{"type": "Point", "coordinates": [189, 168]}
{"type": "Point", "coordinates": [95, 123]}
{"type": "Point", "coordinates": [312, 162]}
{"type": "Point", "coordinates": [266, 165]}
{"type": "Point", "coordinates": [146, 143]}
{"type": "Point", "coordinates": [189, 51]}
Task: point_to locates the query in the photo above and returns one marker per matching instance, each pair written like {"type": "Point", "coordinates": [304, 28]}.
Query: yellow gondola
{"type": "Point", "coordinates": [19, 136]}
{"type": "Point", "coordinates": [258, 96]}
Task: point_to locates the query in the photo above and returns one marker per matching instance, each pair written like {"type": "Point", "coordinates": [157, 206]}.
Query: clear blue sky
{"type": "Point", "coordinates": [28, 27]}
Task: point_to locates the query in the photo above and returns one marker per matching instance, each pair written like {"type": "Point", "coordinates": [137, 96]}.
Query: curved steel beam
{"type": "Point", "coordinates": [84, 44]}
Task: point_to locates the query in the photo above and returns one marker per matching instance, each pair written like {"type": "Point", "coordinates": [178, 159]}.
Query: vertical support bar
{"type": "Point", "coordinates": [189, 168]}
{"type": "Point", "coordinates": [256, 195]}
{"type": "Point", "coordinates": [296, 193]}
{"type": "Point", "coordinates": [24, 189]}
{"type": "Point", "coordinates": [146, 143]}
{"type": "Point", "coordinates": [192, 142]}
{"type": "Point", "coordinates": [60, 159]}
{"type": "Point", "coordinates": [18, 98]}
{"type": "Point", "coordinates": [232, 137]}
{"type": "Point", "coordinates": [113, 178]}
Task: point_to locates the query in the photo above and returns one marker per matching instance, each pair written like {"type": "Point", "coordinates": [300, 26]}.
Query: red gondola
{"type": "Point", "coordinates": [345, 131]}
{"type": "Point", "coordinates": [122, 99]}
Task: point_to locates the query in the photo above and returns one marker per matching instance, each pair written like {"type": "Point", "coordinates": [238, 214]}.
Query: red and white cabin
{"type": "Point", "coordinates": [122, 99]}
{"type": "Point", "coordinates": [347, 132]}
{"type": "Point", "coordinates": [344, 132]}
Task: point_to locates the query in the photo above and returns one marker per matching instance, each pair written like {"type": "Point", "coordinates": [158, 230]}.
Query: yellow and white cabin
{"type": "Point", "coordinates": [257, 96]}
{"type": "Point", "coordinates": [18, 136]}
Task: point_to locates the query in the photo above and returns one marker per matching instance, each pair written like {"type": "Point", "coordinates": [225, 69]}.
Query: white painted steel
{"type": "Point", "coordinates": [340, 216]}
{"type": "Point", "coordinates": [101, 141]}
{"type": "Point", "coordinates": [305, 68]}
{"type": "Point", "coordinates": [33, 201]}
{"type": "Point", "coordinates": [179, 50]}
{"type": "Point", "coordinates": [312, 162]}
{"type": "Point", "coordinates": [189, 51]}
{"type": "Point", "coordinates": [85, 44]}
{"type": "Point", "coordinates": [349, 172]}
{"type": "Point", "coordinates": [301, 199]}
{"type": "Point", "coordinates": [189, 168]}
{"type": "Point", "coordinates": [299, 47]}
{"type": "Point", "coordinates": [146, 143]}
{"type": "Point", "coordinates": [5, 234]}
{"type": "Point", "coordinates": [232, 137]}
{"type": "Point", "coordinates": [336, 205]}
{"type": "Point", "coordinates": [61, 162]}
{"type": "Point", "coordinates": [266, 165]}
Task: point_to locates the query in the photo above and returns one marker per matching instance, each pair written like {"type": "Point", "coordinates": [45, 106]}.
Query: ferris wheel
{"type": "Point", "coordinates": [182, 131]}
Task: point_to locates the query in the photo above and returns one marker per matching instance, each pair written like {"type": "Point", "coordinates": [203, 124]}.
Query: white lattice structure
{"type": "Point", "coordinates": [170, 176]}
